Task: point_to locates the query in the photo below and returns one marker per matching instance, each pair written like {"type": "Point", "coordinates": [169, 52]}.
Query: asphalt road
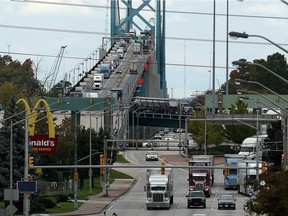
{"type": "Point", "coordinates": [133, 203]}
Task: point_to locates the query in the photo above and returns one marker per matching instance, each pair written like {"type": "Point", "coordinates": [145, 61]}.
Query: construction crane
{"type": "Point", "coordinates": [52, 76]}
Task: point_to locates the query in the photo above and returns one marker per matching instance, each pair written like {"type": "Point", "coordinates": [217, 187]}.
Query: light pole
{"type": "Point", "coordinates": [257, 145]}
{"type": "Point", "coordinates": [76, 153]}
{"type": "Point", "coordinates": [137, 115]}
{"type": "Point", "coordinates": [237, 35]}
{"type": "Point", "coordinates": [239, 81]}
{"type": "Point", "coordinates": [243, 63]}
{"type": "Point", "coordinates": [285, 137]}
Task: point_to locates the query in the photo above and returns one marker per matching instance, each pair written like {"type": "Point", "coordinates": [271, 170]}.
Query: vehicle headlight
{"type": "Point", "coordinates": [203, 199]}
{"type": "Point", "coordinates": [149, 199]}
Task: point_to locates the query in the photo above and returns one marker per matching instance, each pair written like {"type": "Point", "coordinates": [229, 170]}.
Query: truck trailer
{"type": "Point", "coordinates": [159, 188]}
{"type": "Point", "coordinates": [230, 173]}
{"type": "Point", "coordinates": [244, 175]}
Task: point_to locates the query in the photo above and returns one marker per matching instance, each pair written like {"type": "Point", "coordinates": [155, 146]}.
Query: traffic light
{"type": "Point", "coordinates": [163, 168]}
{"type": "Point", "coordinates": [91, 101]}
{"type": "Point", "coordinates": [102, 163]}
{"type": "Point", "coordinates": [264, 167]}
{"type": "Point", "coordinates": [227, 170]}
{"type": "Point", "coordinates": [30, 161]}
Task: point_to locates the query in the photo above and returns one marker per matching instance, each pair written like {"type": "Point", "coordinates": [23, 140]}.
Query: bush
{"type": "Point", "coordinates": [48, 201]}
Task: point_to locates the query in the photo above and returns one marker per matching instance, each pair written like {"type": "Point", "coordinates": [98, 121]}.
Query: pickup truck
{"type": "Point", "coordinates": [196, 198]}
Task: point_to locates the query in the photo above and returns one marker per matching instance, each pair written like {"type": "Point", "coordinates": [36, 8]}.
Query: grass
{"type": "Point", "coordinates": [65, 207]}
{"type": "Point", "coordinates": [121, 159]}
{"type": "Point", "coordinates": [83, 194]}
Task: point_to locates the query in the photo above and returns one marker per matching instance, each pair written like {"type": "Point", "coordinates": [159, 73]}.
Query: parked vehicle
{"type": "Point", "coordinates": [196, 198]}
{"type": "Point", "coordinates": [151, 156]}
{"type": "Point", "coordinates": [226, 201]}
{"type": "Point", "coordinates": [248, 147]}
{"type": "Point", "coordinates": [244, 175]}
{"type": "Point", "coordinates": [159, 188]}
{"type": "Point", "coordinates": [230, 174]}
{"type": "Point", "coordinates": [98, 80]}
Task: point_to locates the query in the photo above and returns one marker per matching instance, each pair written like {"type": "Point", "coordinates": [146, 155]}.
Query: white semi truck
{"type": "Point", "coordinates": [244, 175]}
{"type": "Point", "coordinates": [159, 188]}
{"type": "Point", "coordinates": [98, 80]}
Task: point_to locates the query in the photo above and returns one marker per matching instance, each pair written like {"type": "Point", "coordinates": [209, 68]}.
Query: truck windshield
{"type": "Point", "coordinates": [233, 171]}
{"type": "Point", "coordinates": [158, 188]}
{"type": "Point", "coordinates": [246, 149]}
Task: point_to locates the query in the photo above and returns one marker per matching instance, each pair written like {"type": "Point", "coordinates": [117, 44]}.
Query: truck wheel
{"type": "Point", "coordinates": [204, 206]}
{"type": "Point", "coordinates": [171, 200]}
{"type": "Point", "coordinates": [148, 208]}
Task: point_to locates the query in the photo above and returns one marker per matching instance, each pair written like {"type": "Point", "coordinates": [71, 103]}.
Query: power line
{"type": "Point", "coordinates": [167, 11]}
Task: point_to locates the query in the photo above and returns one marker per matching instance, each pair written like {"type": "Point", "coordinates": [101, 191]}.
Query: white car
{"type": "Point", "coordinates": [169, 138]}
{"type": "Point", "coordinates": [151, 156]}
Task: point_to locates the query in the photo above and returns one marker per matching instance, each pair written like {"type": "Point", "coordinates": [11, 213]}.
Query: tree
{"type": "Point", "coordinates": [18, 145]}
{"type": "Point", "coordinates": [237, 133]}
{"type": "Point", "coordinates": [214, 133]}
{"type": "Point", "coordinates": [271, 197]}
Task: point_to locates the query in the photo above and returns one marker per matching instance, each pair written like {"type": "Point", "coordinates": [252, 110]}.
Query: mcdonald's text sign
{"type": "Point", "coordinates": [42, 144]}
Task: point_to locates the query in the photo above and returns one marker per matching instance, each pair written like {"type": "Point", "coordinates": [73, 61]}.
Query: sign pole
{"type": "Point", "coordinates": [26, 199]}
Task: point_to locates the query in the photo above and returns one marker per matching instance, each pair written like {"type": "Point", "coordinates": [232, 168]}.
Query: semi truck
{"type": "Point", "coordinates": [200, 177]}
{"type": "Point", "coordinates": [98, 81]}
{"type": "Point", "coordinates": [137, 48]}
{"type": "Point", "coordinates": [159, 188]}
{"type": "Point", "coordinates": [230, 173]}
{"type": "Point", "coordinates": [105, 69]}
{"type": "Point", "coordinates": [249, 145]}
{"type": "Point", "coordinates": [120, 52]}
{"type": "Point", "coordinates": [133, 65]}
{"type": "Point", "coordinates": [210, 159]}
{"type": "Point", "coordinates": [244, 175]}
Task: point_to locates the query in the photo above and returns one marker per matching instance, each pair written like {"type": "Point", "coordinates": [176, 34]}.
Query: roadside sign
{"type": "Point", "coordinates": [14, 195]}
{"type": "Point", "coordinates": [11, 208]}
{"type": "Point", "coordinates": [27, 186]}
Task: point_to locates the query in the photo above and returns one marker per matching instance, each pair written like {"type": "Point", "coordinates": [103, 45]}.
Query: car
{"type": "Point", "coordinates": [161, 132]}
{"type": "Point", "coordinates": [118, 72]}
{"type": "Point", "coordinates": [157, 136]}
{"type": "Point", "coordinates": [166, 130]}
{"type": "Point", "coordinates": [196, 198]}
{"type": "Point", "coordinates": [171, 134]}
{"type": "Point", "coordinates": [169, 137]}
{"type": "Point", "coordinates": [226, 201]}
{"type": "Point", "coordinates": [151, 156]}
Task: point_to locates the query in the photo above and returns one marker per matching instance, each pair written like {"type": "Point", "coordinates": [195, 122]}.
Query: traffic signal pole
{"type": "Point", "coordinates": [26, 168]}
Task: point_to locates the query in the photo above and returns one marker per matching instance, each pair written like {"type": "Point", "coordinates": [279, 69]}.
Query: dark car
{"type": "Point", "coordinates": [196, 198]}
{"type": "Point", "coordinates": [226, 201]}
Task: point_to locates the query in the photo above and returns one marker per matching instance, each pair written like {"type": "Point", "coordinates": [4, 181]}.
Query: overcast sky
{"type": "Point", "coordinates": [31, 30]}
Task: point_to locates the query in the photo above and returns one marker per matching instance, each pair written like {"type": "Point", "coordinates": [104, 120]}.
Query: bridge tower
{"type": "Point", "coordinates": [120, 26]}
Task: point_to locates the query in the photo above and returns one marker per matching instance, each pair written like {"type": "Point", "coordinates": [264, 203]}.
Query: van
{"type": "Point", "coordinates": [249, 146]}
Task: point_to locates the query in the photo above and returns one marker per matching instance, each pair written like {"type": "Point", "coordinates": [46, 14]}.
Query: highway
{"type": "Point", "coordinates": [133, 202]}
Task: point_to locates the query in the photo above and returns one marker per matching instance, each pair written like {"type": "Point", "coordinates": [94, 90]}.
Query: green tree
{"type": "Point", "coordinates": [59, 88]}
{"type": "Point", "coordinates": [18, 145]}
{"type": "Point", "coordinates": [214, 133]}
{"type": "Point", "coordinates": [271, 198]}
{"type": "Point", "coordinates": [237, 133]}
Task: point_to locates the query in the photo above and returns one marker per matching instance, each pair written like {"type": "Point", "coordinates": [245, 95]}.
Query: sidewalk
{"type": "Point", "coordinates": [97, 203]}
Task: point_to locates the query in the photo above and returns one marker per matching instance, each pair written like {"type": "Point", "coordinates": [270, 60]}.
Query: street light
{"type": "Point", "coordinates": [243, 63]}
{"type": "Point", "coordinates": [243, 91]}
{"type": "Point", "coordinates": [239, 81]}
{"type": "Point", "coordinates": [236, 35]}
